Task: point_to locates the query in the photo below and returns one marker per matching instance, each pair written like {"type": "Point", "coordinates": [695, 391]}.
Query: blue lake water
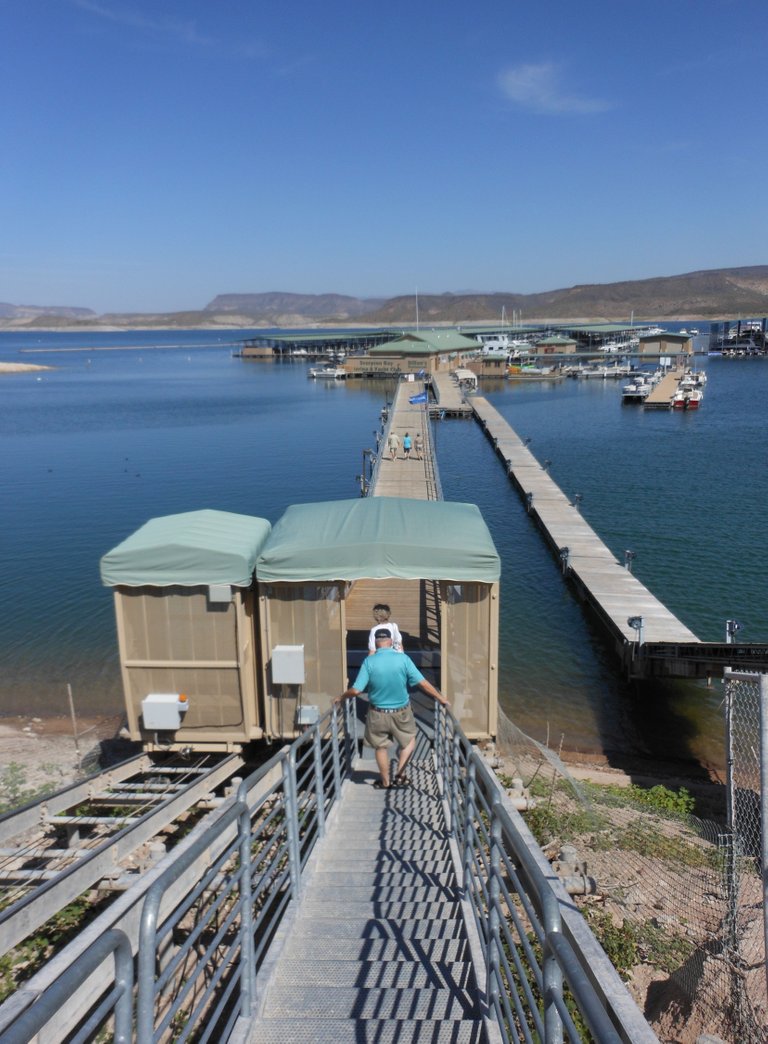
{"type": "Point", "coordinates": [110, 438]}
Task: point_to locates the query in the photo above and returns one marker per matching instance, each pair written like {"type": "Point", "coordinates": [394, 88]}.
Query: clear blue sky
{"type": "Point", "coordinates": [158, 152]}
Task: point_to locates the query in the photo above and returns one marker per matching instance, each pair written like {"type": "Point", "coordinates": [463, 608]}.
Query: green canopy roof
{"type": "Point", "coordinates": [379, 537]}
{"type": "Point", "coordinates": [194, 549]}
{"type": "Point", "coordinates": [429, 343]}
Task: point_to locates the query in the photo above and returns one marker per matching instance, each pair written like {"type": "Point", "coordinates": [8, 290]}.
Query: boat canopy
{"type": "Point", "coordinates": [194, 549]}
{"type": "Point", "coordinates": [377, 537]}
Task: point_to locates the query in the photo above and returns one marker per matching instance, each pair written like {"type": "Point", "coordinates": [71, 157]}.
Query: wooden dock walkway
{"type": "Point", "coordinates": [660, 398]}
{"type": "Point", "coordinates": [414, 605]}
{"type": "Point", "coordinates": [401, 477]}
{"type": "Point", "coordinates": [612, 591]}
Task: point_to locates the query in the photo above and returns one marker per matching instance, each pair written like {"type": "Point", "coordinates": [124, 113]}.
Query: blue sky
{"type": "Point", "coordinates": [156, 153]}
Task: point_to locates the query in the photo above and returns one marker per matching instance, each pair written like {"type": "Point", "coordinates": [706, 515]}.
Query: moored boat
{"type": "Point", "coordinates": [327, 373]}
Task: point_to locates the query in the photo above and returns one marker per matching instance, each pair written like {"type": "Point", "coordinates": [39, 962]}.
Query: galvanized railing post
{"type": "Point", "coordinates": [247, 968]}
{"type": "Point", "coordinates": [551, 971]}
{"type": "Point", "coordinates": [493, 954]}
{"type": "Point", "coordinates": [439, 738]}
{"type": "Point", "coordinates": [335, 751]}
{"type": "Point", "coordinates": [319, 782]}
{"type": "Point", "coordinates": [454, 805]}
{"type": "Point", "coordinates": [469, 830]}
{"type": "Point", "coordinates": [291, 809]}
{"type": "Point", "coordinates": [350, 732]}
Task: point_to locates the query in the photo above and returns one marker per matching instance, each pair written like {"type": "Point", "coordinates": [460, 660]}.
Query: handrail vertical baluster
{"type": "Point", "coordinates": [319, 783]}
{"type": "Point", "coordinates": [291, 809]}
{"type": "Point", "coordinates": [335, 751]}
{"type": "Point", "coordinates": [247, 969]}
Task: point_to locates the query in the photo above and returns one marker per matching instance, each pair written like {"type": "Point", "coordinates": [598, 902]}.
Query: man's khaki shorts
{"type": "Point", "coordinates": [381, 729]}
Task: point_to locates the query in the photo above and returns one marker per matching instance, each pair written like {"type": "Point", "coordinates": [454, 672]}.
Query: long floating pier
{"type": "Point", "coordinates": [610, 589]}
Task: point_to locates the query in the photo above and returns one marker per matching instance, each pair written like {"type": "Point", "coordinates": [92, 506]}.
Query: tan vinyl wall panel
{"type": "Point", "coordinates": [175, 623]}
{"type": "Point", "coordinates": [311, 615]}
{"type": "Point", "coordinates": [469, 649]}
{"type": "Point", "coordinates": [175, 640]}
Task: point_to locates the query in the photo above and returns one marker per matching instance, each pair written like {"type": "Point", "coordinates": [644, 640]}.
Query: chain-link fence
{"type": "Point", "coordinates": [676, 901]}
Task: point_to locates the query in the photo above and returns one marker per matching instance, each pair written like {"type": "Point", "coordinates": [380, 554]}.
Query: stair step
{"type": "Point", "coordinates": [364, 926]}
{"type": "Point", "coordinates": [368, 975]}
{"type": "Point", "coordinates": [321, 947]}
{"type": "Point", "coordinates": [383, 863]}
{"type": "Point", "coordinates": [372, 1031]}
{"type": "Point", "coordinates": [381, 894]}
{"type": "Point", "coordinates": [384, 877]}
{"type": "Point", "coordinates": [320, 1002]}
{"type": "Point", "coordinates": [393, 909]}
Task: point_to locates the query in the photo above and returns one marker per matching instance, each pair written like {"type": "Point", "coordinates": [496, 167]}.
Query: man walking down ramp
{"type": "Point", "coordinates": [386, 677]}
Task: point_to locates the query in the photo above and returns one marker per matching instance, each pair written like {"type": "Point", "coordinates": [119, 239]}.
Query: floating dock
{"type": "Point", "coordinates": [660, 398]}
{"type": "Point", "coordinates": [608, 587]}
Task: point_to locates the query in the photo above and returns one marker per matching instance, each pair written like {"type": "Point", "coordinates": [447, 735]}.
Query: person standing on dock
{"type": "Point", "coordinates": [381, 613]}
{"type": "Point", "coordinates": [393, 445]}
{"type": "Point", "coordinates": [406, 446]}
{"type": "Point", "coordinates": [386, 677]}
{"type": "Point", "coordinates": [418, 446]}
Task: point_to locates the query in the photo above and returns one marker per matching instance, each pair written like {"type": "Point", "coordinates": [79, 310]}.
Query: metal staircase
{"type": "Point", "coordinates": [311, 906]}
{"type": "Point", "coordinates": [379, 950]}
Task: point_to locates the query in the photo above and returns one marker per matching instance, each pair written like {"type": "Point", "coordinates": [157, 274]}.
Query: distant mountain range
{"type": "Point", "coordinates": [717, 293]}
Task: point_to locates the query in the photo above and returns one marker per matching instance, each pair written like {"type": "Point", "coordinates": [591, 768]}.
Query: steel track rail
{"type": "Point", "coordinates": [49, 897]}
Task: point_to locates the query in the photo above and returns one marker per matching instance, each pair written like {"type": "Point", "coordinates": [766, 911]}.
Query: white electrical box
{"type": "Point", "coordinates": [163, 710]}
{"type": "Point", "coordinates": [288, 665]}
{"type": "Point", "coordinates": [307, 715]}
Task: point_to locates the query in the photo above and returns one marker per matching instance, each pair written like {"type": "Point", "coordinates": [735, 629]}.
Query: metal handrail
{"type": "Point", "coordinates": [228, 892]}
{"type": "Point", "coordinates": [118, 1001]}
{"type": "Point", "coordinates": [517, 913]}
{"type": "Point", "coordinates": [209, 919]}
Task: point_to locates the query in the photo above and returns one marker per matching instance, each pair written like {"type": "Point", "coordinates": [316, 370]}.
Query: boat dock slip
{"type": "Point", "coordinates": [449, 398]}
{"type": "Point", "coordinates": [610, 589]}
{"type": "Point", "coordinates": [660, 398]}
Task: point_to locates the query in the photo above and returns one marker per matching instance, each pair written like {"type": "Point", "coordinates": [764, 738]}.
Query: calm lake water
{"type": "Point", "coordinates": [110, 438]}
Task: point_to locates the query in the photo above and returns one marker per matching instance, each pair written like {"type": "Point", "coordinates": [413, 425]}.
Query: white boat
{"type": "Point", "coordinates": [327, 373]}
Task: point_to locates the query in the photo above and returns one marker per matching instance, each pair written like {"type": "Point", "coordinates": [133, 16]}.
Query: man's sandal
{"type": "Point", "coordinates": [401, 780]}
{"type": "Point", "coordinates": [378, 785]}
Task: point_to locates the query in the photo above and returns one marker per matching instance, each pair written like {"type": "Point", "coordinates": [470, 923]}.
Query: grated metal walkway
{"type": "Point", "coordinates": [378, 951]}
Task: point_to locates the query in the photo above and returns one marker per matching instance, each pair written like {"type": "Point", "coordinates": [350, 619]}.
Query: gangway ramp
{"type": "Point", "coordinates": [379, 950]}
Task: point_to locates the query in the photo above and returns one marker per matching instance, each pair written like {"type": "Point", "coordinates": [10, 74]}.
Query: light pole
{"type": "Point", "coordinates": [636, 623]}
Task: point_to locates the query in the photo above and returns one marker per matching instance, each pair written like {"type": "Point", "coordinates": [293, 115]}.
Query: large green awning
{"type": "Point", "coordinates": [194, 549]}
{"type": "Point", "coordinates": [378, 537]}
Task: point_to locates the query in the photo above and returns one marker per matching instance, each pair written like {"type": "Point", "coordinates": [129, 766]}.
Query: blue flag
{"type": "Point", "coordinates": [421, 397]}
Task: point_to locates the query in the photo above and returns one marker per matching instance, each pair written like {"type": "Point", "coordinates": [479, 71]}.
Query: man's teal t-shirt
{"type": "Point", "coordinates": [385, 676]}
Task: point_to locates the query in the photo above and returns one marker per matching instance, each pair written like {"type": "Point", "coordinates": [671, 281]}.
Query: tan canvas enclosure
{"type": "Point", "coordinates": [185, 607]}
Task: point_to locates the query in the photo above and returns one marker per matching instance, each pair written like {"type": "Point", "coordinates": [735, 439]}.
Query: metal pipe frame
{"type": "Point", "coordinates": [512, 901]}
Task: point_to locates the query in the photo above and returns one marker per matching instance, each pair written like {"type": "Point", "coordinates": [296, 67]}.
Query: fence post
{"type": "Point", "coordinates": [764, 807]}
